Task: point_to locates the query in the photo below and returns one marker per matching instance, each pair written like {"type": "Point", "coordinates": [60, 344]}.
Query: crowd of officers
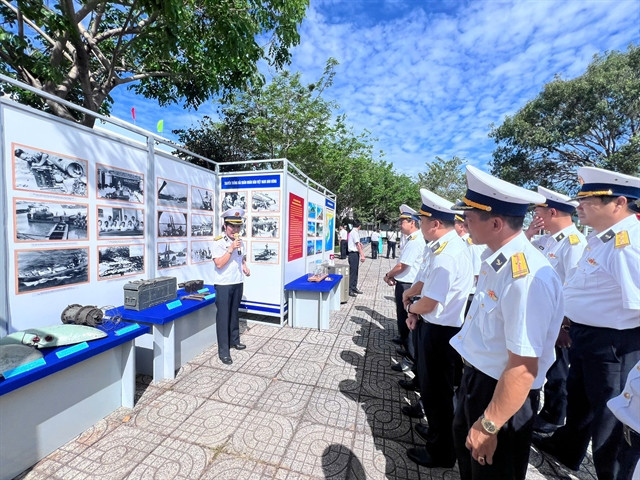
{"type": "Point", "coordinates": [487, 315]}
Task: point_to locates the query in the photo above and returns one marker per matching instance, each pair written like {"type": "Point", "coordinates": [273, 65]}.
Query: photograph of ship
{"type": "Point", "coordinates": [201, 199]}
{"type": "Point", "coordinates": [319, 229]}
{"type": "Point", "coordinates": [234, 200]}
{"type": "Point", "coordinates": [311, 229]}
{"type": "Point", "coordinates": [120, 222]}
{"type": "Point", "coordinates": [120, 261]}
{"type": "Point", "coordinates": [43, 221]}
{"type": "Point", "coordinates": [264, 252]}
{"type": "Point", "coordinates": [201, 252]}
{"type": "Point", "coordinates": [41, 171]}
{"type": "Point", "coordinates": [318, 246]}
{"type": "Point", "coordinates": [172, 194]}
{"type": "Point", "coordinates": [311, 211]}
{"type": "Point", "coordinates": [265, 227]}
{"type": "Point", "coordinates": [265, 201]}
{"type": "Point", "coordinates": [44, 269]}
{"type": "Point", "coordinates": [172, 224]}
{"type": "Point", "coordinates": [201, 225]}
{"type": "Point", "coordinates": [172, 254]}
{"type": "Point", "coordinates": [118, 184]}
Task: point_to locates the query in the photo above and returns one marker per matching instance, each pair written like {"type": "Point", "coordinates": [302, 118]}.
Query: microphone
{"type": "Point", "coordinates": [236, 235]}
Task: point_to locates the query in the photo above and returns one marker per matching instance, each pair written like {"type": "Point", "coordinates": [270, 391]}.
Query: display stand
{"type": "Point", "coordinates": [310, 303]}
{"type": "Point", "coordinates": [180, 330]}
{"type": "Point", "coordinates": [70, 389]}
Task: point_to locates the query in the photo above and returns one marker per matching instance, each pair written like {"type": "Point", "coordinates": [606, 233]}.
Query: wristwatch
{"type": "Point", "coordinates": [488, 425]}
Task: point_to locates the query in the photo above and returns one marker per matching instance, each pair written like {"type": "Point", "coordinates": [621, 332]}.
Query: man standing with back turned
{"type": "Point", "coordinates": [508, 336]}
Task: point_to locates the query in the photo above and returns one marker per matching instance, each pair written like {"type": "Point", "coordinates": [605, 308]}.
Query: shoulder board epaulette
{"type": "Point", "coordinates": [469, 241]}
{"type": "Point", "coordinates": [519, 267]}
{"type": "Point", "coordinates": [574, 239]}
{"type": "Point", "coordinates": [409, 238]}
{"type": "Point", "coordinates": [440, 248]}
{"type": "Point", "coordinates": [218, 238]}
{"type": "Point", "coordinates": [622, 239]}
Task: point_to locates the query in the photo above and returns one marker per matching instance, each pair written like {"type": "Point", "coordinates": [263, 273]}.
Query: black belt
{"type": "Point", "coordinates": [403, 283]}
{"type": "Point", "coordinates": [631, 436]}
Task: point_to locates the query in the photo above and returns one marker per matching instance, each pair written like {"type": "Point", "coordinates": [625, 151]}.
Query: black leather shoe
{"type": "Point", "coordinates": [413, 411]}
{"type": "Point", "coordinates": [226, 360]}
{"type": "Point", "coordinates": [397, 340]}
{"type": "Point", "coordinates": [552, 446]}
{"type": "Point", "coordinates": [239, 346]}
{"type": "Point", "coordinates": [423, 431]}
{"type": "Point", "coordinates": [400, 367]}
{"type": "Point", "coordinates": [542, 426]}
{"type": "Point", "coordinates": [351, 294]}
{"type": "Point", "coordinates": [402, 352]}
{"type": "Point", "coordinates": [422, 457]}
{"type": "Point", "coordinates": [409, 385]}
{"type": "Point", "coordinates": [357, 291]}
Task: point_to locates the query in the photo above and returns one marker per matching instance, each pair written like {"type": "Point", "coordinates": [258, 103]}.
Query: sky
{"type": "Point", "coordinates": [428, 78]}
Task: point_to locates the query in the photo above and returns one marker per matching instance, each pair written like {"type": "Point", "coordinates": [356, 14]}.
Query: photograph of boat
{"type": "Point", "coordinates": [172, 224]}
{"type": "Point", "coordinates": [120, 261]}
{"type": "Point", "coordinates": [119, 184]}
{"type": "Point", "coordinates": [201, 225]}
{"type": "Point", "coordinates": [201, 252]}
{"type": "Point", "coordinates": [172, 194]}
{"type": "Point", "coordinates": [121, 222]}
{"type": "Point", "coordinates": [265, 201]}
{"type": "Point", "coordinates": [42, 171]}
{"type": "Point", "coordinates": [36, 220]}
{"type": "Point", "coordinates": [264, 252]}
{"type": "Point", "coordinates": [172, 254]}
{"type": "Point", "coordinates": [201, 199]}
{"type": "Point", "coordinates": [44, 269]}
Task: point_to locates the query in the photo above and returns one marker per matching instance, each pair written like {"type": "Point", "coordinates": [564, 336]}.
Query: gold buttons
{"type": "Point", "coordinates": [627, 395]}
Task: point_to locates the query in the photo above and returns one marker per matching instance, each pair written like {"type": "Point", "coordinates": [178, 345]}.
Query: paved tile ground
{"type": "Point", "coordinates": [296, 404]}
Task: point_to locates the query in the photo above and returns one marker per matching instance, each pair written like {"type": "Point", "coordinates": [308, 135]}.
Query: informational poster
{"type": "Point", "coordinates": [330, 226]}
{"type": "Point", "coordinates": [296, 227]}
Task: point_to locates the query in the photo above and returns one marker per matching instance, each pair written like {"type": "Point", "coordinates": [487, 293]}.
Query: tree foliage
{"type": "Point", "coordinates": [445, 178]}
{"type": "Point", "coordinates": [171, 50]}
{"type": "Point", "coordinates": [592, 120]}
{"type": "Point", "coordinates": [289, 119]}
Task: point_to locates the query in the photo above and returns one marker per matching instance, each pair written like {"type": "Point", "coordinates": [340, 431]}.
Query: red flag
{"type": "Point", "coordinates": [133, 113]}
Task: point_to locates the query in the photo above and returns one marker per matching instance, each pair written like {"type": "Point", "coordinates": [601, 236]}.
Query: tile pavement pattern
{"type": "Point", "coordinates": [296, 404]}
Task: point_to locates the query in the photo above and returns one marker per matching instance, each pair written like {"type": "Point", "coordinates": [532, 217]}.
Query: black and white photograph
{"type": "Point", "coordinates": [265, 252]}
{"type": "Point", "coordinates": [201, 225]}
{"type": "Point", "coordinates": [172, 194]}
{"type": "Point", "coordinates": [119, 184]}
{"type": "Point", "coordinates": [120, 261]}
{"type": "Point", "coordinates": [120, 222]}
{"type": "Point", "coordinates": [234, 200]}
{"type": "Point", "coordinates": [37, 220]}
{"type": "Point", "coordinates": [172, 255]}
{"type": "Point", "coordinates": [201, 252]}
{"type": "Point", "coordinates": [47, 172]}
{"type": "Point", "coordinates": [201, 199]}
{"type": "Point", "coordinates": [265, 227]}
{"type": "Point", "coordinates": [172, 224]}
{"type": "Point", "coordinates": [265, 201]}
{"type": "Point", "coordinates": [319, 229]}
{"type": "Point", "coordinates": [45, 269]}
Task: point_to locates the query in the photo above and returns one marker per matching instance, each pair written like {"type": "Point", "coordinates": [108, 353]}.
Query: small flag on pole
{"type": "Point", "coordinates": [160, 125]}
{"type": "Point", "coordinates": [133, 113]}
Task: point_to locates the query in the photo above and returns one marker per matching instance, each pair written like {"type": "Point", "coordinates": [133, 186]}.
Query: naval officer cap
{"type": "Point", "coordinates": [409, 213]}
{"type": "Point", "coordinates": [233, 216]}
{"type": "Point", "coordinates": [597, 182]}
{"type": "Point", "coordinates": [435, 207]}
{"type": "Point", "coordinates": [557, 200]}
{"type": "Point", "coordinates": [491, 194]}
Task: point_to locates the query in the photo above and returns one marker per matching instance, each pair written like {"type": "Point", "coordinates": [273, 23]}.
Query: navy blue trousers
{"type": "Point", "coordinates": [228, 299]}
{"type": "Point", "coordinates": [554, 409]}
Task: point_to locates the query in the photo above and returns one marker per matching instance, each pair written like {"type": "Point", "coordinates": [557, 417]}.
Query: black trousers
{"type": "Point", "coordinates": [227, 319]}
{"type": "Point", "coordinates": [343, 249]}
{"type": "Point", "coordinates": [374, 249]}
{"type": "Point", "coordinates": [554, 409]}
{"type": "Point", "coordinates": [354, 266]}
{"type": "Point", "coordinates": [391, 247]}
{"type": "Point", "coordinates": [438, 364]}
{"type": "Point", "coordinates": [511, 457]}
{"type": "Point", "coordinates": [601, 359]}
{"type": "Point", "coordinates": [401, 316]}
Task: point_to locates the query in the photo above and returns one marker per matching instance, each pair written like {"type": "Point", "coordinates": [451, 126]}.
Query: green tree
{"type": "Point", "coordinates": [445, 178]}
{"type": "Point", "coordinates": [591, 120]}
{"type": "Point", "coordinates": [171, 50]}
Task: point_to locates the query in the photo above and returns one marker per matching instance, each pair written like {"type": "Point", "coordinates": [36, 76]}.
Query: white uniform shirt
{"type": "Point", "coordinates": [448, 279]}
{"type": "Point", "coordinates": [603, 290]}
{"type": "Point", "coordinates": [353, 240]}
{"type": "Point", "coordinates": [343, 234]}
{"type": "Point", "coordinates": [392, 236]}
{"type": "Point", "coordinates": [563, 249]}
{"type": "Point", "coordinates": [411, 256]}
{"type": "Point", "coordinates": [375, 236]}
{"type": "Point", "coordinates": [231, 273]}
{"type": "Point", "coordinates": [475, 253]}
{"type": "Point", "coordinates": [521, 314]}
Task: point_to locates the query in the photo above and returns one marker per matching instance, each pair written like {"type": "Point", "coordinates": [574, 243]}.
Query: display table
{"type": "Point", "coordinates": [310, 303]}
{"type": "Point", "coordinates": [71, 389]}
{"type": "Point", "coordinates": [180, 330]}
